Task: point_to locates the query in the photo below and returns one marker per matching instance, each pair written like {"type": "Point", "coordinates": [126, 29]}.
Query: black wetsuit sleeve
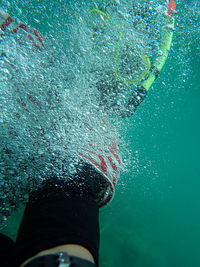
{"type": "Point", "coordinates": [58, 218]}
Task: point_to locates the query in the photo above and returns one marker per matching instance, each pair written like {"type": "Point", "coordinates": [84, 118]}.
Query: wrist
{"type": "Point", "coordinates": [70, 249]}
{"type": "Point", "coordinates": [58, 221]}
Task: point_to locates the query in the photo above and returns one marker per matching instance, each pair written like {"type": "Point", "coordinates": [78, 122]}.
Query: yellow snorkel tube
{"type": "Point", "coordinates": [151, 70]}
{"type": "Point", "coordinates": [140, 90]}
{"type": "Point", "coordinates": [159, 62]}
{"type": "Point", "coordinates": [101, 13]}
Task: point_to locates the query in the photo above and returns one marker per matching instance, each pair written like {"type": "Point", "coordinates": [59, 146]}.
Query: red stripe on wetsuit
{"type": "Point", "coordinates": [6, 23]}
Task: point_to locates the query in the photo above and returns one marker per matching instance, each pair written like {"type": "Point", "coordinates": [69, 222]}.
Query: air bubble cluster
{"type": "Point", "coordinates": [57, 100]}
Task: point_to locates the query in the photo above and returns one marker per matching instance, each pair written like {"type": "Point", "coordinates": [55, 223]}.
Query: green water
{"type": "Point", "coordinates": [154, 218]}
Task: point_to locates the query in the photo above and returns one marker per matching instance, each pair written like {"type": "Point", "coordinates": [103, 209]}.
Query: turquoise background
{"type": "Point", "coordinates": [154, 218]}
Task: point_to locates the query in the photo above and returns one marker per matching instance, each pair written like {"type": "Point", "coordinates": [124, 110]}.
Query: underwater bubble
{"type": "Point", "coordinates": [50, 98]}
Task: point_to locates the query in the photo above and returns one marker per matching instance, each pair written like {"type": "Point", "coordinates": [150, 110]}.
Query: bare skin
{"type": "Point", "coordinates": [71, 249]}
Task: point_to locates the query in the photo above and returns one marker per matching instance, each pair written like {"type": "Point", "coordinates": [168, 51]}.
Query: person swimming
{"type": "Point", "coordinates": [60, 226]}
{"type": "Point", "coordinates": [79, 194]}
{"type": "Point", "coordinates": [105, 160]}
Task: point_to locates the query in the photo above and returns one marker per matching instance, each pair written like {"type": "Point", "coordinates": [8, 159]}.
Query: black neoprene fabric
{"type": "Point", "coordinates": [62, 212]}
{"type": "Point", "coordinates": [59, 212]}
{"type": "Point", "coordinates": [56, 217]}
{"type": "Point", "coordinates": [7, 247]}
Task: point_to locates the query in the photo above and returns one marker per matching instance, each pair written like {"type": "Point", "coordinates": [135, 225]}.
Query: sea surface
{"type": "Point", "coordinates": [153, 220]}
